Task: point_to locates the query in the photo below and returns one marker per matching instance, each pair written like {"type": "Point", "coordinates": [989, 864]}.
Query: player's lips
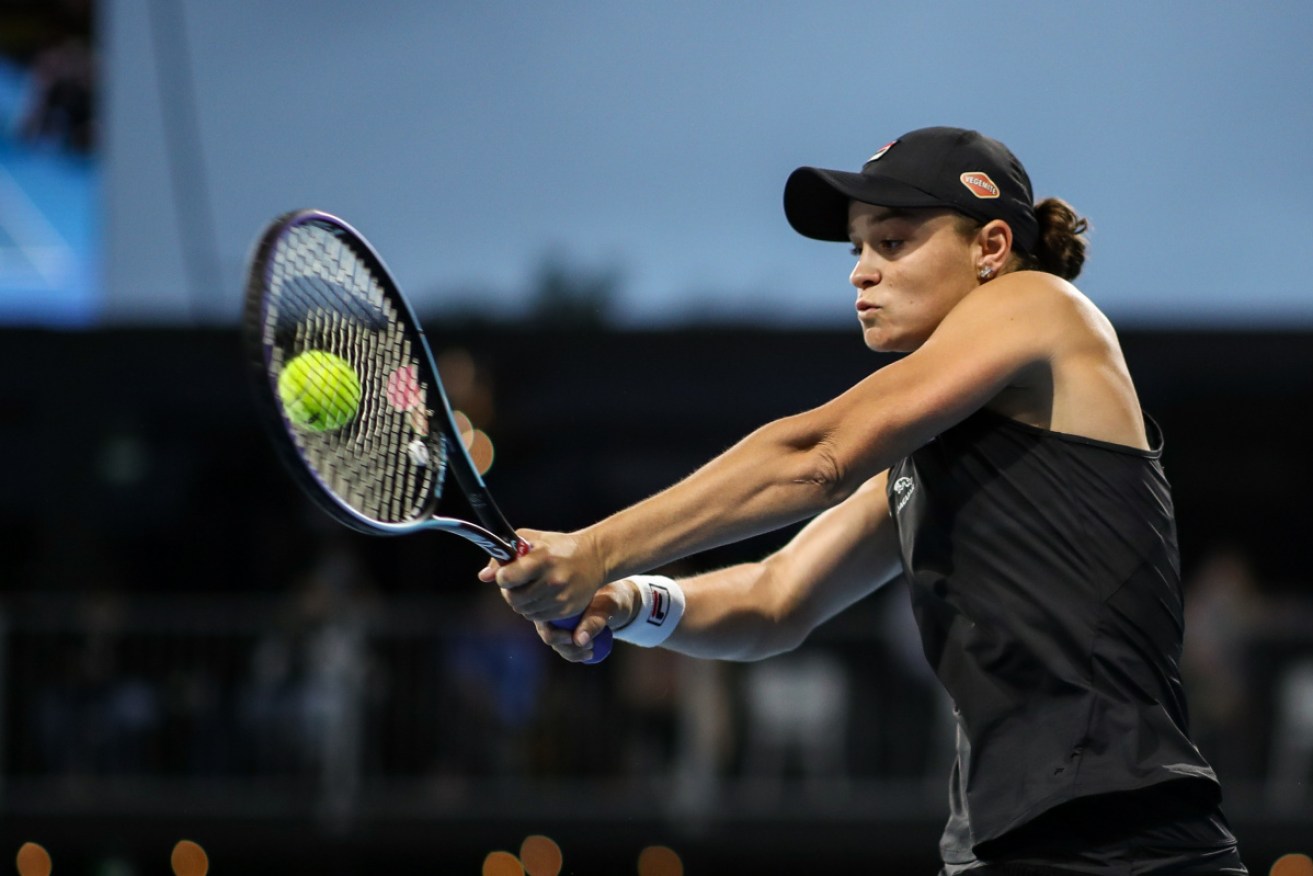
{"type": "Point", "coordinates": [865, 307]}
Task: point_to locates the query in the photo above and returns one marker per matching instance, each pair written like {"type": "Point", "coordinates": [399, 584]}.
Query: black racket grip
{"type": "Point", "coordinates": [601, 642]}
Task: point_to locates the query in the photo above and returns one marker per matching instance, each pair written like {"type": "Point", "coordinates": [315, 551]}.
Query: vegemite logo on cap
{"type": "Point", "coordinates": [879, 153]}
{"type": "Point", "coordinates": [979, 184]}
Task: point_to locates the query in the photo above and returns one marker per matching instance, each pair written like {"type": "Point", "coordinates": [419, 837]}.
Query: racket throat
{"type": "Point", "coordinates": [494, 545]}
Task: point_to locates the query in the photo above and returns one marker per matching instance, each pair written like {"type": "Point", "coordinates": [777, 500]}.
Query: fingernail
{"type": "Point", "coordinates": [584, 639]}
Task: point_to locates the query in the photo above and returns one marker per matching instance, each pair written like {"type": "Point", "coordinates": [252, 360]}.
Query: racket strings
{"type": "Point", "coordinates": [384, 463]}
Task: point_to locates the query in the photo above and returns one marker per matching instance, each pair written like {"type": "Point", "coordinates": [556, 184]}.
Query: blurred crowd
{"type": "Point", "coordinates": [333, 692]}
{"type": "Point", "coordinates": [333, 687]}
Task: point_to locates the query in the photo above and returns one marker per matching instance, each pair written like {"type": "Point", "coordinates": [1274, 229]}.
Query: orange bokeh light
{"type": "Point", "coordinates": [189, 859]}
{"type": "Point", "coordinates": [33, 860]}
{"type": "Point", "coordinates": [659, 861]}
{"type": "Point", "coordinates": [502, 864]}
{"type": "Point", "coordinates": [541, 856]}
{"type": "Point", "coordinates": [1292, 865]}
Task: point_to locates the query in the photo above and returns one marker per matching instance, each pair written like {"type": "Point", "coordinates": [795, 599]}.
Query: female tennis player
{"type": "Point", "coordinates": [1005, 467]}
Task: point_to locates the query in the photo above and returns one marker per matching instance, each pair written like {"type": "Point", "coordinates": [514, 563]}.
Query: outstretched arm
{"type": "Point", "coordinates": [798, 466]}
{"type": "Point", "coordinates": [755, 610]}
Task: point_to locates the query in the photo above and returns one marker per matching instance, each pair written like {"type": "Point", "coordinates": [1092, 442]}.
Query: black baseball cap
{"type": "Point", "coordinates": [930, 167]}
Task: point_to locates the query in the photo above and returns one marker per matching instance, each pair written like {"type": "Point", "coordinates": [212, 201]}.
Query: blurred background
{"type": "Point", "coordinates": [583, 200]}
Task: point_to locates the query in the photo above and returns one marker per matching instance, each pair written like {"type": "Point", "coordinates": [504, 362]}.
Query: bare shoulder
{"type": "Point", "coordinates": [1044, 311]}
{"type": "Point", "coordinates": [1077, 381]}
{"type": "Point", "coordinates": [1037, 293]}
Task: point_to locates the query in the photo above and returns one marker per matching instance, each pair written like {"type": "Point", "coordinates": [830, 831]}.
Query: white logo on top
{"type": "Point", "coordinates": [903, 489]}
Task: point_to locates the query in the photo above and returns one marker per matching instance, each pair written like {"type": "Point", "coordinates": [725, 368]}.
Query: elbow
{"type": "Point", "coordinates": [786, 624]}
{"type": "Point", "coordinates": [784, 638]}
{"type": "Point", "coordinates": [772, 643]}
{"type": "Point", "coordinates": [826, 473]}
{"type": "Point", "coordinates": [822, 461]}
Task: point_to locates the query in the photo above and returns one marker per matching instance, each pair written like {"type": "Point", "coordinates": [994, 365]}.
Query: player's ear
{"type": "Point", "coordinates": [994, 243]}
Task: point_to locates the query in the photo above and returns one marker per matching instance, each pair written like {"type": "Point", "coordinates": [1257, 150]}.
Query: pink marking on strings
{"type": "Point", "coordinates": [403, 390]}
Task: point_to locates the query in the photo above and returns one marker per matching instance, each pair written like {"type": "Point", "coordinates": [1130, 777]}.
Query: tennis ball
{"type": "Point", "coordinates": [319, 390]}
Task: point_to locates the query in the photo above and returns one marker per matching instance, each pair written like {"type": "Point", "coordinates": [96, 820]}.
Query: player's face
{"type": "Point", "coordinates": [913, 267]}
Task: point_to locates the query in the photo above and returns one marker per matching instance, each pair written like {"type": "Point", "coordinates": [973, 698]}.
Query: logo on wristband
{"type": "Point", "coordinates": [660, 605]}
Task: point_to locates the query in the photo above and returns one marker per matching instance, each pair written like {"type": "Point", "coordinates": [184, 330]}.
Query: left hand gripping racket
{"type": "Point", "coordinates": [364, 424]}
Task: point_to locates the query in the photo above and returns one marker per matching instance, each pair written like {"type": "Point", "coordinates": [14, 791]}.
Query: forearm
{"type": "Point", "coordinates": [730, 614]}
{"type": "Point", "coordinates": [734, 614]}
{"type": "Point", "coordinates": [778, 475]}
{"type": "Point", "coordinates": [753, 610]}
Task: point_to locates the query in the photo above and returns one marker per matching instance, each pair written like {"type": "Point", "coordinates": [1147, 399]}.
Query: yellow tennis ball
{"type": "Point", "coordinates": [320, 391]}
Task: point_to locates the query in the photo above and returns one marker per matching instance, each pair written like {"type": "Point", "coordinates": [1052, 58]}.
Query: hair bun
{"type": "Point", "coordinates": [1061, 246]}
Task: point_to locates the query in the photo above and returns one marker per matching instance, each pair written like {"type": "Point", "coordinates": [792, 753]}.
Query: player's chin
{"type": "Point", "coordinates": [876, 340]}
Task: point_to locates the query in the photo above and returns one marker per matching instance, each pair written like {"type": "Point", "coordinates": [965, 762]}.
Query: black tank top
{"type": "Point", "coordinates": [1045, 580]}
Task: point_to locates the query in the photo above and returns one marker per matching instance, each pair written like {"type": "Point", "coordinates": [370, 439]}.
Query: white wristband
{"type": "Point", "coordinates": [659, 612]}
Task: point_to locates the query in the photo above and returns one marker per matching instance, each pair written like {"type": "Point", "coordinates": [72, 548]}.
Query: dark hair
{"type": "Point", "coordinates": [1061, 246]}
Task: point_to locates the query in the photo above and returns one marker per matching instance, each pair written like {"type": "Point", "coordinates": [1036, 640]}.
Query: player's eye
{"type": "Point", "coordinates": [887, 245]}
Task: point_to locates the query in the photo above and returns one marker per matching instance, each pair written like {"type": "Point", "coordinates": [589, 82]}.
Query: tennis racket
{"type": "Point", "coordinates": [350, 394]}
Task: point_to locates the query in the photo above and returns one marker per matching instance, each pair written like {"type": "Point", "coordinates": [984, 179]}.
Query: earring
{"type": "Point", "coordinates": [986, 272]}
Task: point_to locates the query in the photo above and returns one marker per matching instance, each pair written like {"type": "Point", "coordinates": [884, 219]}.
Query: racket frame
{"type": "Point", "coordinates": [495, 536]}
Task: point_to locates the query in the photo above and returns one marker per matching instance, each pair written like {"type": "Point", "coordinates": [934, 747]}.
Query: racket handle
{"type": "Point", "coordinates": [601, 642]}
